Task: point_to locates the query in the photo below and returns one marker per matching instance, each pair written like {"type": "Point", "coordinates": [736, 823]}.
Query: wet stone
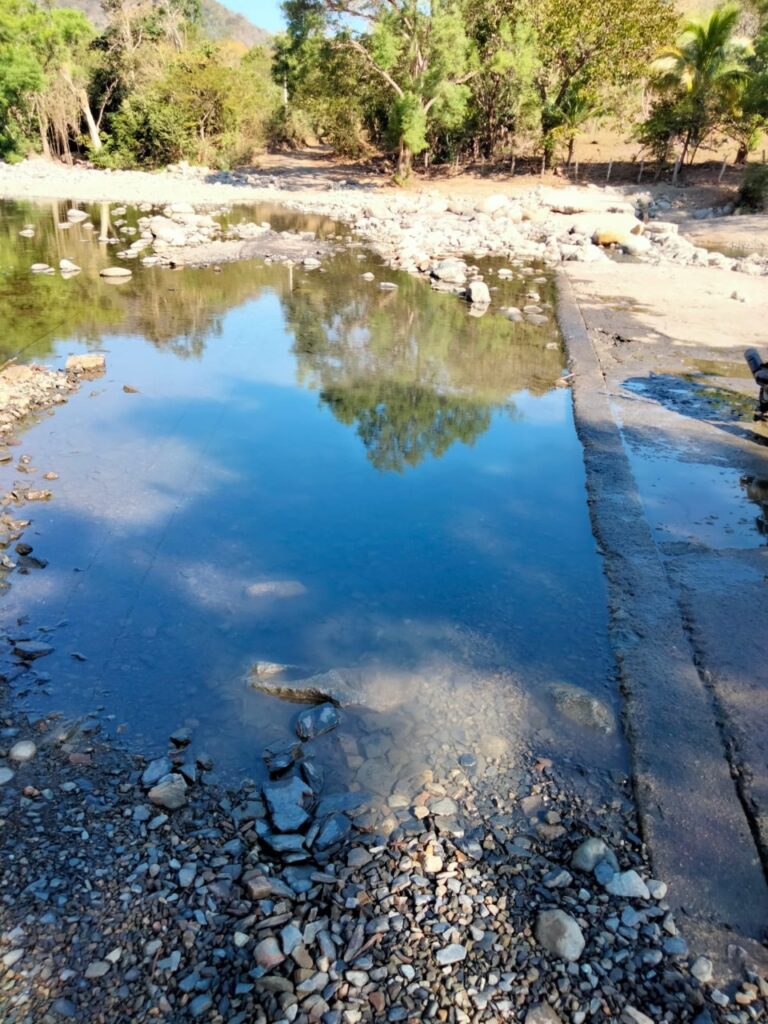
{"type": "Point", "coordinates": [286, 800]}
{"type": "Point", "coordinates": [23, 751]}
{"type": "Point", "coordinates": [280, 759]}
{"type": "Point", "coordinates": [155, 771]}
{"type": "Point", "coordinates": [332, 831]}
{"type": "Point", "coordinates": [316, 721]}
{"type": "Point", "coordinates": [31, 650]}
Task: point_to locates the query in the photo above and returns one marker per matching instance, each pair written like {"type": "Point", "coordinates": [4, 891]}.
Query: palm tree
{"type": "Point", "coordinates": [706, 70]}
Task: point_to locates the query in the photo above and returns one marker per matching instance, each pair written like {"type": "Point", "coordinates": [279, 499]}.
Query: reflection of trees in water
{"type": "Point", "coordinates": [410, 369]}
{"type": "Point", "coordinates": [175, 311]}
{"type": "Point", "coordinates": [401, 424]}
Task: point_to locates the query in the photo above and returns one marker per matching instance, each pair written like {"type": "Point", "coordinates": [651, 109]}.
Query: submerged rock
{"type": "Point", "coordinates": [30, 650]}
{"type": "Point", "coordinates": [581, 707]}
{"type": "Point", "coordinates": [343, 687]}
{"type": "Point", "coordinates": [317, 721]}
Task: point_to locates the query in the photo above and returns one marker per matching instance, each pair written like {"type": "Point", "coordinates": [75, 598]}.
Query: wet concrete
{"type": "Point", "coordinates": [686, 566]}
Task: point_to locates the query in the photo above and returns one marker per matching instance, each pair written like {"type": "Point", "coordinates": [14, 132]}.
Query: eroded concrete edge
{"type": "Point", "coordinates": [698, 836]}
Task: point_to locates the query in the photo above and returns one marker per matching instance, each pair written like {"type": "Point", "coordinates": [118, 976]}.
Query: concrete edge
{"type": "Point", "coordinates": [698, 835]}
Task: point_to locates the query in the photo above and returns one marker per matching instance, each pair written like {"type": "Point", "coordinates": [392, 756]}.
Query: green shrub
{"type": "Point", "coordinates": [289, 128]}
{"type": "Point", "coordinates": [754, 188]}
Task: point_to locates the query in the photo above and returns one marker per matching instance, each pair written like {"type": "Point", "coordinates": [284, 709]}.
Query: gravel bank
{"type": "Point", "coordinates": [492, 896]}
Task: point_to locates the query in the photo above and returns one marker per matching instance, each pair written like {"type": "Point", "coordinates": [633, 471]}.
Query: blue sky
{"type": "Point", "coordinates": [264, 13]}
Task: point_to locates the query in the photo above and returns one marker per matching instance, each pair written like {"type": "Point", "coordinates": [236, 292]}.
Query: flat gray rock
{"type": "Point", "coordinates": [287, 800]}
{"type": "Point", "coordinates": [317, 721]}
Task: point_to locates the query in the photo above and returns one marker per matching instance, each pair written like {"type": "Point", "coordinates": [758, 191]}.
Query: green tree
{"type": "Point", "coordinates": [420, 53]}
{"type": "Point", "coordinates": [588, 48]}
{"type": "Point", "coordinates": [703, 77]}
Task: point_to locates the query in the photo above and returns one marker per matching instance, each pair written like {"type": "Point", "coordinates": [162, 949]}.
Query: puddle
{"type": "Point", "coordinates": [312, 471]}
{"type": "Point", "coordinates": [693, 491]}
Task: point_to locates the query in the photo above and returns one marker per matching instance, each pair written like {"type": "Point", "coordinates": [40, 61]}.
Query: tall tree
{"type": "Point", "coordinates": [419, 51]}
{"type": "Point", "coordinates": [704, 75]}
{"type": "Point", "coordinates": [587, 47]}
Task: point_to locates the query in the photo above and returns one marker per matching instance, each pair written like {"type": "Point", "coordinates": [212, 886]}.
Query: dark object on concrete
{"type": "Point", "coordinates": [760, 373]}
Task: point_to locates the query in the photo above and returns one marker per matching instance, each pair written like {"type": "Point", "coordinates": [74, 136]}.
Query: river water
{"type": "Point", "coordinates": [309, 470]}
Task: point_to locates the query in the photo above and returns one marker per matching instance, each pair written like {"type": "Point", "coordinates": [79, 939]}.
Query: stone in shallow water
{"type": "Point", "coordinates": [342, 802]}
{"type": "Point", "coordinates": [287, 800]}
{"type": "Point", "coordinates": [317, 721]}
{"type": "Point", "coordinates": [332, 831]}
{"type": "Point", "coordinates": [5, 775]}
{"type": "Point", "coordinates": [280, 759]}
{"type": "Point", "coordinates": [581, 707]}
{"type": "Point", "coordinates": [559, 934]}
{"type": "Point", "coordinates": [30, 650]}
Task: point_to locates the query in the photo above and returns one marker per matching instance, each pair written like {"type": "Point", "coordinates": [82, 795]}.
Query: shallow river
{"type": "Point", "coordinates": [310, 471]}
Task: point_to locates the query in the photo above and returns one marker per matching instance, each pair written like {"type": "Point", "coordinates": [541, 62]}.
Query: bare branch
{"type": "Point", "coordinates": [350, 41]}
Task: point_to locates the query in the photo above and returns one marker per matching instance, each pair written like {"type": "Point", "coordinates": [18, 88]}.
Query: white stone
{"type": "Point", "coordinates": [629, 885]}
{"type": "Point", "coordinates": [22, 751]}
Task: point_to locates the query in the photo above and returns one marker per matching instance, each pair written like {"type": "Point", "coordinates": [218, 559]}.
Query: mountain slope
{"type": "Point", "coordinates": [218, 22]}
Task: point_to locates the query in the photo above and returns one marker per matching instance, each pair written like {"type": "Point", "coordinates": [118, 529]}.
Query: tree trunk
{"type": "Point", "coordinates": [42, 122]}
{"type": "Point", "coordinates": [571, 144]}
{"type": "Point", "coordinates": [93, 130]}
{"type": "Point", "coordinates": [404, 161]}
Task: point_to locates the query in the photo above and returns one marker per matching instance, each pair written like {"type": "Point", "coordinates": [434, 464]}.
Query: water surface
{"type": "Point", "coordinates": [307, 470]}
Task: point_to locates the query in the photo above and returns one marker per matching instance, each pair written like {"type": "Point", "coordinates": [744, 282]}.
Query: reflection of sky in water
{"type": "Point", "coordinates": [223, 472]}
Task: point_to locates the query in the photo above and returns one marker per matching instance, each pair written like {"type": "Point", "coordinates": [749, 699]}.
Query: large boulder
{"type": "Point", "coordinates": [491, 205]}
{"type": "Point", "coordinates": [167, 231]}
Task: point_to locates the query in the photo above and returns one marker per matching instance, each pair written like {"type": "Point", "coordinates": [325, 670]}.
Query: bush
{"type": "Point", "coordinates": [147, 132]}
{"type": "Point", "coordinates": [289, 128]}
{"type": "Point", "coordinates": [754, 188]}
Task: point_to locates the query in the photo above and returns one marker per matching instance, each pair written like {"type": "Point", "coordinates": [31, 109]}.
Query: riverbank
{"type": "Point", "coordinates": [123, 902]}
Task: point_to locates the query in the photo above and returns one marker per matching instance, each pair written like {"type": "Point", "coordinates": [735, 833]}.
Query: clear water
{"type": "Point", "coordinates": [312, 471]}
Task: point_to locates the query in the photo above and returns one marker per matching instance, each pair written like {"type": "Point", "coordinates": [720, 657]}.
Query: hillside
{"type": "Point", "coordinates": [218, 21]}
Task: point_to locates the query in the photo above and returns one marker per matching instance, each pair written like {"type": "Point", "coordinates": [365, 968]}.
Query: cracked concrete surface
{"type": "Point", "coordinates": [669, 445]}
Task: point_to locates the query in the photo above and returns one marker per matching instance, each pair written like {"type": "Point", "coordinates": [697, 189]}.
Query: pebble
{"type": "Point", "coordinates": [5, 775]}
{"type": "Point", "coordinates": [702, 970]}
{"type": "Point", "coordinates": [97, 969]}
{"type": "Point", "coordinates": [560, 934]}
{"type": "Point", "coordinates": [629, 885]}
{"type": "Point", "coordinates": [451, 954]}
{"type": "Point", "coordinates": [268, 953]}
{"type": "Point", "coordinates": [590, 853]}
{"type": "Point", "coordinates": [23, 751]}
